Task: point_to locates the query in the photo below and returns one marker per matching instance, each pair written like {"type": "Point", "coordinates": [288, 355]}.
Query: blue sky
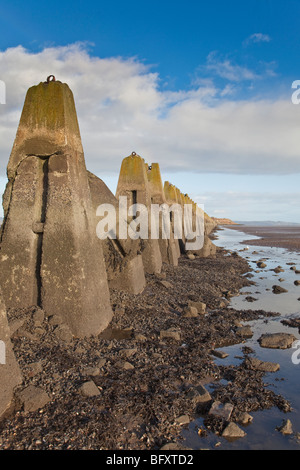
{"type": "Point", "coordinates": [204, 88]}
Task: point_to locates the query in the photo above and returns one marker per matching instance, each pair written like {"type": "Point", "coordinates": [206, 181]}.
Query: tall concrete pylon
{"type": "Point", "coordinates": [133, 183]}
{"type": "Point", "coordinates": [170, 193]}
{"type": "Point", "coordinates": [168, 248]}
{"type": "Point", "coordinates": [123, 260]}
{"type": "Point", "coordinates": [49, 252]}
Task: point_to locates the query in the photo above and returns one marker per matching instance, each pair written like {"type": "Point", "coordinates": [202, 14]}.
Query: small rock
{"type": "Point", "coordinates": [140, 337]}
{"type": "Point", "coordinates": [173, 446]}
{"type": "Point", "coordinates": [128, 352]}
{"type": "Point", "coordinates": [297, 283]}
{"type": "Point", "coordinates": [261, 265]}
{"type": "Point", "coordinates": [161, 275]}
{"type": "Point", "coordinates": [171, 333]}
{"type": "Point", "coordinates": [101, 362]}
{"type": "Point", "coordinates": [119, 311]}
{"type": "Point", "coordinates": [221, 411]}
{"type": "Point", "coordinates": [55, 320]}
{"type": "Point", "coordinates": [200, 306]}
{"type": "Point", "coordinates": [38, 330]}
{"type": "Point", "coordinates": [33, 398]}
{"type": "Point", "coordinates": [35, 368]}
{"type": "Point", "coordinates": [191, 256]}
{"type": "Point", "coordinates": [277, 340]}
{"type": "Point", "coordinates": [286, 427]}
{"type": "Point", "coordinates": [219, 354]}
{"type": "Point", "coordinates": [278, 270]}
{"type": "Point", "coordinates": [293, 268]}
{"type": "Point", "coordinates": [38, 316]}
{"type": "Point", "coordinates": [182, 420]}
{"type": "Point", "coordinates": [124, 365]}
{"type": "Point", "coordinates": [190, 312]}
{"type": "Point", "coordinates": [257, 364]}
{"type": "Point", "coordinates": [14, 325]}
{"type": "Point", "coordinates": [278, 290]}
{"type": "Point", "coordinates": [250, 299]}
{"type": "Point", "coordinates": [92, 371]}
{"type": "Point", "coordinates": [198, 395]}
{"type": "Point", "coordinates": [244, 418]}
{"type": "Point", "coordinates": [244, 331]}
{"type": "Point", "coordinates": [63, 333]}
{"type": "Point", "coordinates": [166, 284]}
{"type": "Point", "coordinates": [89, 389]}
{"type": "Point", "coordinates": [233, 431]}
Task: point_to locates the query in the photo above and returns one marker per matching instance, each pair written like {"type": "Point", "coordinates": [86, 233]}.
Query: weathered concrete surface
{"type": "Point", "coordinates": [133, 183]}
{"type": "Point", "coordinates": [169, 250]}
{"type": "Point", "coordinates": [173, 198]}
{"type": "Point", "coordinates": [50, 254]}
{"type": "Point", "coordinates": [10, 373]}
{"type": "Point", "coordinates": [124, 264]}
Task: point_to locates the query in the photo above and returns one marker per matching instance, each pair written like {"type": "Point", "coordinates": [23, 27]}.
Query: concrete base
{"type": "Point", "coordinates": [10, 372]}
{"type": "Point", "coordinates": [131, 279]}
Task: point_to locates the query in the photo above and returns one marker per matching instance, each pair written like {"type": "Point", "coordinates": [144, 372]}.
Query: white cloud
{"type": "Point", "coordinates": [121, 108]}
{"type": "Point", "coordinates": [225, 69]}
{"type": "Point", "coordinates": [258, 37]}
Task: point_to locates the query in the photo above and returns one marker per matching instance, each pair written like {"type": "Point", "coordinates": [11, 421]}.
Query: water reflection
{"type": "Point", "coordinates": [262, 433]}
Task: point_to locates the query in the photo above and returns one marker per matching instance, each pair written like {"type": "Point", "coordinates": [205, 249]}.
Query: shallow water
{"type": "Point", "coordinates": [262, 433]}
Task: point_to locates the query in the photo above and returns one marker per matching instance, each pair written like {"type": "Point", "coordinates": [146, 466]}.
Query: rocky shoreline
{"type": "Point", "coordinates": [138, 383]}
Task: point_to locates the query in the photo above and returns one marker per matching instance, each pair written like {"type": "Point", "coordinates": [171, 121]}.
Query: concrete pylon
{"type": "Point", "coordinates": [123, 260]}
{"type": "Point", "coordinates": [50, 253]}
{"type": "Point", "coordinates": [172, 200]}
{"type": "Point", "coordinates": [133, 183]}
{"type": "Point", "coordinates": [168, 248]}
{"type": "Point", "coordinates": [10, 374]}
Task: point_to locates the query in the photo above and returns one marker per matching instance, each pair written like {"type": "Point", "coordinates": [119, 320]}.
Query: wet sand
{"type": "Point", "coordinates": [281, 236]}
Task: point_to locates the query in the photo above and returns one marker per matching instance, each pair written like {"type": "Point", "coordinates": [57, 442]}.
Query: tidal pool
{"type": "Point", "coordinates": [262, 433]}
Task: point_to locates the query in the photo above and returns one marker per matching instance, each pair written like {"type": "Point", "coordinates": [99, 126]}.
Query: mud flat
{"type": "Point", "coordinates": [277, 236]}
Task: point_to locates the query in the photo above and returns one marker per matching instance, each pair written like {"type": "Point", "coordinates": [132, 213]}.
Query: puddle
{"type": "Point", "coordinates": [262, 433]}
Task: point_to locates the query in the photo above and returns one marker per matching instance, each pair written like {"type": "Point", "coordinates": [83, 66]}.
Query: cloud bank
{"type": "Point", "coordinates": [122, 108]}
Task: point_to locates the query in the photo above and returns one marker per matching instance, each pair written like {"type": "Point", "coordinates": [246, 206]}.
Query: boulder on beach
{"type": "Point", "coordinates": [277, 340]}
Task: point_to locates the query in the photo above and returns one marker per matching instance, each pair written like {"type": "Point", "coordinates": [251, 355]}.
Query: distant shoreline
{"type": "Point", "coordinates": [281, 236]}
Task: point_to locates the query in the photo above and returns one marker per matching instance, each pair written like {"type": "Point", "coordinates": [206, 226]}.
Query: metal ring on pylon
{"type": "Point", "coordinates": [50, 77]}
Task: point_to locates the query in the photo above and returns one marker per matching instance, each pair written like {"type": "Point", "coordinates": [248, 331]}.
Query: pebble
{"type": "Point", "coordinates": [244, 331]}
{"type": "Point", "coordinates": [33, 398]}
{"type": "Point", "coordinates": [286, 427]}
{"type": "Point", "coordinates": [221, 410]}
{"type": "Point", "coordinates": [233, 431]}
{"type": "Point", "coordinates": [89, 389]}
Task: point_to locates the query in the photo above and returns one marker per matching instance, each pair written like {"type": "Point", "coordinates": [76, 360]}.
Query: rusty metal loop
{"type": "Point", "coordinates": [133, 154]}
{"type": "Point", "coordinates": [50, 77]}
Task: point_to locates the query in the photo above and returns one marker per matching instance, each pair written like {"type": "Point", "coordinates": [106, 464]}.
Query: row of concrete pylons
{"type": "Point", "coordinates": [50, 254]}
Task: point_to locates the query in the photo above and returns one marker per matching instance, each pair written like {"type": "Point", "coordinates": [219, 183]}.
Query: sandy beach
{"type": "Point", "coordinates": [281, 236]}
